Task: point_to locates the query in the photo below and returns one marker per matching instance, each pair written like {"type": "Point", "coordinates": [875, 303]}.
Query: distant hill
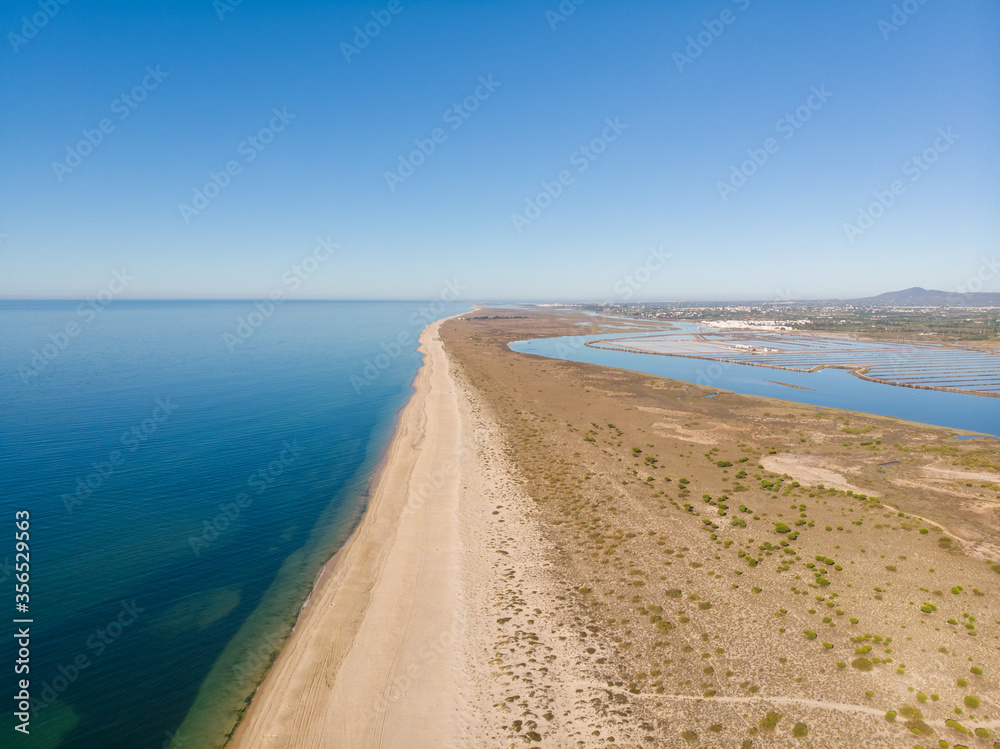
{"type": "Point", "coordinates": [918, 297]}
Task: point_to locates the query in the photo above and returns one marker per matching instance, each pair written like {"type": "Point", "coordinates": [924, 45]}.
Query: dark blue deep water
{"type": "Point", "coordinates": [828, 388]}
{"type": "Point", "coordinates": [184, 489]}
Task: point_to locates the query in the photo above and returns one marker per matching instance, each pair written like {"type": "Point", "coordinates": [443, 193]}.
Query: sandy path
{"type": "Point", "coordinates": [838, 707]}
{"type": "Point", "coordinates": [371, 662]}
{"type": "Point", "coordinates": [939, 472]}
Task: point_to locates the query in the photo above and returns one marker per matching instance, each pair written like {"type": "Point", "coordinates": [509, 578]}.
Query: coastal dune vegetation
{"type": "Point", "coordinates": [733, 570]}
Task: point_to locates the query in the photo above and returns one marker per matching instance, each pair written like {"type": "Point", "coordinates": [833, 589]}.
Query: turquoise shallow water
{"type": "Point", "coordinates": [184, 491]}
{"type": "Point", "coordinates": [828, 388]}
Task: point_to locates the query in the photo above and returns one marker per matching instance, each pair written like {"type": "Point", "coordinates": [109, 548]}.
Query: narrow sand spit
{"type": "Point", "coordinates": [372, 660]}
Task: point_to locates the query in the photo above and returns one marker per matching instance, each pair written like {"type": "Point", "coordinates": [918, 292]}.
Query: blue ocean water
{"type": "Point", "coordinates": [186, 476]}
{"type": "Point", "coordinates": [828, 388]}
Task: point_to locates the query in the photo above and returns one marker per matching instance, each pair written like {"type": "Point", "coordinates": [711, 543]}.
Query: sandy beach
{"type": "Point", "coordinates": [371, 661]}
{"type": "Point", "coordinates": [528, 571]}
{"type": "Point", "coordinates": [427, 629]}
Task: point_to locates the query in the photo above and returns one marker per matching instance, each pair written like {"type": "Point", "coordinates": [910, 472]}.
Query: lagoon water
{"type": "Point", "coordinates": [827, 388]}
{"type": "Point", "coordinates": [184, 493]}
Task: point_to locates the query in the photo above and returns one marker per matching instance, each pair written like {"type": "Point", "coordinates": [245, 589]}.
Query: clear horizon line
{"type": "Point", "coordinates": [534, 301]}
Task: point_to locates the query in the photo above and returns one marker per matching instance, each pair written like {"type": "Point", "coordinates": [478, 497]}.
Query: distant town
{"type": "Point", "coordinates": [903, 314]}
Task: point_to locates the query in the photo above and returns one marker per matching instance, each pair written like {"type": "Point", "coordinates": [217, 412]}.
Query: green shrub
{"type": "Point", "coordinates": [810, 635]}
{"type": "Point", "coordinates": [800, 731]}
{"type": "Point", "coordinates": [890, 716]}
{"type": "Point", "coordinates": [769, 722]}
{"type": "Point", "coordinates": [956, 725]}
{"type": "Point", "coordinates": [971, 702]}
{"type": "Point", "coordinates": [781, 528]}
{"type": "Point", "coordinates": [862, 664]}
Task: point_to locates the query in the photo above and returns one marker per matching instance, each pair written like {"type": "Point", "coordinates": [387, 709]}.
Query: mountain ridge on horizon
{"type": "Point", "coordinates": [917, 296]}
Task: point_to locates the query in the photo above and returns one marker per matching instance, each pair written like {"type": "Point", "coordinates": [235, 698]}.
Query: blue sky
{"type": "Point", "coordinates": [687, 113]}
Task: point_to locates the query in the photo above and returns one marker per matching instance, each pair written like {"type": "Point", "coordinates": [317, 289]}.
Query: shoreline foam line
{"type": "Point", "coordinates": [389, 589]}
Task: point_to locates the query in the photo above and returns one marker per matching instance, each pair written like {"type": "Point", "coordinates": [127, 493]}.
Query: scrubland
{"type": "Point", "coordinates": [672, 569]}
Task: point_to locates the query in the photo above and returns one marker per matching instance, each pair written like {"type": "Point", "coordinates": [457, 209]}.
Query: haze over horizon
{"type": "Point", "coordinates": [386, 149]}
